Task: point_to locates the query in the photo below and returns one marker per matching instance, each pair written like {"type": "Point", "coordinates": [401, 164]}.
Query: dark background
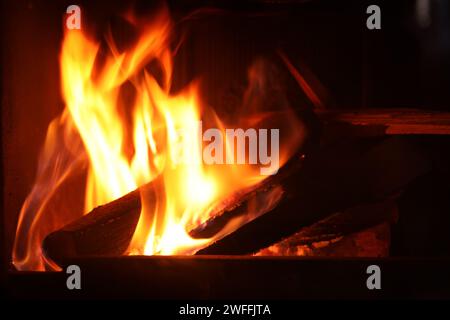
{"type": "Point", "coordinates": [405, 64]}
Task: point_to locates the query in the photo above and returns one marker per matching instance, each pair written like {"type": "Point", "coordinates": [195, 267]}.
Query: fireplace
{"type": "Point", "coordinates": [196, 147]}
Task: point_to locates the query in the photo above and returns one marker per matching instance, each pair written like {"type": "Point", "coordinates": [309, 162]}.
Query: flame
{"type": "Point", "coordinates": [119, 153]}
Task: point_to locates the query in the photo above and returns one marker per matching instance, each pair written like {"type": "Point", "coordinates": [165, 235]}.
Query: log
{"type": "Point", "coordinates": [238, 204]}
{"type": "Point", "coordinates": [106, 230]}
{"type": "Point", "coordinates": [361, 231]}
{"type": "Point", "coordinates": [331, 180]}
{"type": "Point", "coordinates": [343, 223]}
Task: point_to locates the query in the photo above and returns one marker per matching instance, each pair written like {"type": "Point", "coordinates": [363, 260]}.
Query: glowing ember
{"type": "Point", "coordinates": [118, 153]}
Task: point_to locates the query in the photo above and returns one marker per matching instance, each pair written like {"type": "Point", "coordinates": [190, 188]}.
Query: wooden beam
{"type": "Point", "coordinates": [388, 121]}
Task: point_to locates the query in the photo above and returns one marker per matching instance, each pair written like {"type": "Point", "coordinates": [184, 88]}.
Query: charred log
{"type": "Point", "coordinates": [106, 230]}
{"type": "Point", "coordinates": [331, 180]}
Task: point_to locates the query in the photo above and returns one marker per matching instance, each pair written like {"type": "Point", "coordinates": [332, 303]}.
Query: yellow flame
{"type": "Point", "coordinates": [122, 153]}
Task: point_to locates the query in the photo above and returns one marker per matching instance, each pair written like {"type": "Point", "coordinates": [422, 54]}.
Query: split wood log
{"type": "Point", "coordinates": [106, 230]}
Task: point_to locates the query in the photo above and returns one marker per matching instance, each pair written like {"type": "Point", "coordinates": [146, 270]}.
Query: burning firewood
{"type": "Point", "coordinates": [330, 180]}
{"type": "Point", "coordinates": [108, 229]}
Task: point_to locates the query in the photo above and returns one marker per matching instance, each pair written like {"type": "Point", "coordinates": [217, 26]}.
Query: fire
{"type": "Point", "coordinates": [119, 153]}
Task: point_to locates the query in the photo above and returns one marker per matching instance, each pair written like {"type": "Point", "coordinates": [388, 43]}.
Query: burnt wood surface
{"type": "Point", "coordinates": [345, 222]}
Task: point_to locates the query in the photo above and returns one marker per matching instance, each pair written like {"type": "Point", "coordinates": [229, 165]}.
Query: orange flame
{"type": "Point", "coordinates": [119, 154]}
